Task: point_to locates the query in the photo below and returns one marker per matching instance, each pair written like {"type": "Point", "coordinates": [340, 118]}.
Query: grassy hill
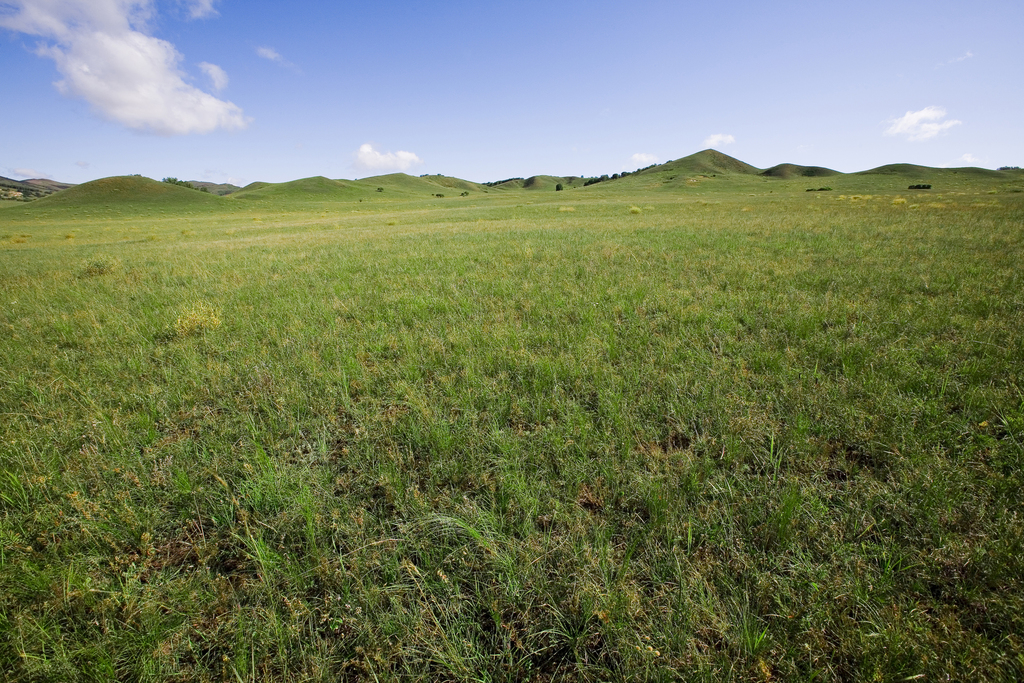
{"type": "Point", "coordinates": [706, 162]}
{"type": "Point", "coordinates": [127, 191]}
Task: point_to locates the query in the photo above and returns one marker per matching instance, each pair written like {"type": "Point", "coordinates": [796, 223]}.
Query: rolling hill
{"type": "Point", "coordinates": [708, 170]}
{"type": "Point", "coordinates": [134, 190]}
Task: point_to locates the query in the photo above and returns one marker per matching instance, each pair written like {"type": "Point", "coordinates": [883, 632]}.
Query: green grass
{"type": "Point", "coordinates": [724, 437]}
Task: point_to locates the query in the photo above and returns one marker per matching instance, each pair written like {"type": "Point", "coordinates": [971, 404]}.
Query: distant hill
{"type": "Point", "coordinates": [221, 189]}
{"type": "Point", "coordinates": [796, 171]}
{"type": "Point", "coordinates": [913, 172]}
{"type": "Point", "coordinates": [27, 190]}
{"type": "Point", "coordinates": [52, 185]}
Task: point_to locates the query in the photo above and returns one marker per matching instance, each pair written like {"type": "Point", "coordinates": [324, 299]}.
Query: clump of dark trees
{"type": "Point", "coordinates": [614, 176]}
{"type": "Point", "coordinates": [499, 182]}
{"type": "Point", "coordinates": [919, 187]}
{"type": "Point", "coordinates": [184, 183]}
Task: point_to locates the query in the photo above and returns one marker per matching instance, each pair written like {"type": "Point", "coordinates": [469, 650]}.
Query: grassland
{"type": "Point", "coordinates": [694, 424]}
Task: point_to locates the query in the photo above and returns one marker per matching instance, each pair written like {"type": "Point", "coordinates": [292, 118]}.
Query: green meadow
{"type": "Point", "coordinates": [696, 423]}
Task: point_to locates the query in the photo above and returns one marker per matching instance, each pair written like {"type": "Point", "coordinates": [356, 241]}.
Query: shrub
{"type": "Point", "coordinates": [380, 189]}
{"type": "Point", "coordinates": [921, 186]}
{"type": "Point", "coordinates": [558, 187]}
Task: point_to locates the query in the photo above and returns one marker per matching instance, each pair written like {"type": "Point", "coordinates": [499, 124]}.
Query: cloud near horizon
{"type": "Point", "coordinates": [106, 57]}
{"type": "Point", "coordinates": [643, 159]}
{"type": "Point", "coordinates": [30, 174]}
{"type": "Point", "coordinates": [920, 125]}
{"type": "Point", "coordinates": [719, 140]}
{"type": "Point", "coordinates": [369, 159]}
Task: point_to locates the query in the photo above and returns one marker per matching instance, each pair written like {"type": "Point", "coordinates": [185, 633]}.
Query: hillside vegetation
{"type": "Point", "coordinates": [695, 423]}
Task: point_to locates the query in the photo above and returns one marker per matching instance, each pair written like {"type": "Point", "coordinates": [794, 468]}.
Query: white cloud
{"type": "Point", "coordinates": [270, 53]}
{"type": "Point", "coordinates": [82, 164]}
{"type": "Point", "coordinates": [217, 77]}
{"type": "Point", "coordinates": [273, 55]}
{"type": "Point", "coordinates": [102, 50]}
{"type": "Point", "coordinates": [966, 55]}
{"type": "Point", "coordinates": [921, 125]}
{"type": "Point", "coordinates": [643, 159]}
{"type": "Point", "coordinates": [197, 9]}
{"type": "Point", "coordinates": [968, 160]}
{"type": "Point", "coordinates": [719, 140]}
{"type": "Point", "coordinates": [30, 173]}
{"type": "Point", "coordinates": [369, 159]}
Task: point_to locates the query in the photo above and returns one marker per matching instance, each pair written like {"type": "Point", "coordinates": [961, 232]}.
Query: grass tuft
{"type": "Point", "coordinates": [198, 317]}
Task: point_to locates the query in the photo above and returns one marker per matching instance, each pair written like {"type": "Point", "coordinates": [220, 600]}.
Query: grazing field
{"type": "Point", "coordinates": [699, 426]}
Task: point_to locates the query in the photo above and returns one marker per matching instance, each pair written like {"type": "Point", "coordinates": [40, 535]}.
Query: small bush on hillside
{"type": "Point", "coordinates": [919, 187]}
{"type": "Point", "coordinates": [635, 210]}
{"type": "Point", "coordinates": [380, 189]}
{"type": "Point", "coordinates": [558, 187]}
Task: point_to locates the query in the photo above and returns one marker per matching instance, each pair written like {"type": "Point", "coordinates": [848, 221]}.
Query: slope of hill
{"type": "Point", "coordinates": [413, 185]}
{"type": "Point", "coordinates": [316, 188]}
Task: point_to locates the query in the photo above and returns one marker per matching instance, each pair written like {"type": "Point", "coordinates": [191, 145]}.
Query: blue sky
{"type": "Point", "coordinates": [228, 91]}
